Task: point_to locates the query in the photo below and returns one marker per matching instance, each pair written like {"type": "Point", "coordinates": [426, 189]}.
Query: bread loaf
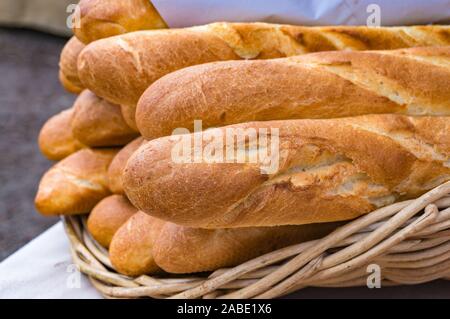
{"type": "Point", "coordinates": [75, 184]}
{"type": "Point", "coordinates": [97, 122]}
{"type": "Point", "coordinates": [105, 18]}
{"type": "Point", "coordinates": [68, 72]}
{"type": "Point", "coordinates": [413, 81]}
{"type": "Point", "coordinates": [314, 171]}
{"type": "Point", "coordinates": [67, 85]}
{"type": "Point", "coordinates": [115, 170]}
{"type": "Point", "coordinates": [131, 248]}
{"type": "Point", "coordinates": [145, 56]}
{"type": "Point", "coordinates": [181, 249]}
{"type": "Point", "coordinates": [129, 115]}
{"type": "Point", "coordinates": [56, 140]}
{"type": "Point", "coordinates": [107, 217]}
{"type": "Point", "coordinates": [143, 243]}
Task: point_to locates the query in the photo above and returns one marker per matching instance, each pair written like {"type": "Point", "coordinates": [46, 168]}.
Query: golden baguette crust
{"type": "Point", "coordinates": [129, 115]}
{"type": "Point", "coordinates": [104, 18]}
{"type": "Point", "coordinates": [98, 123]}
{"type": "Point", "coordinates": [115, 170]}
{"type": "Point", "coordinates": [56, 140]}
{"type": "Point", "coordinates": [328, 170]}
{"type": "Point", "coordinates": [131, 249]}
{"type": "Point", "coordinates": [413, 81]}
{"type": "Point", "coordinates": [120, 68]}
{"type": "Point", "coordinates": [68, 71]}
{"type": "Point", "coordinates": [68, 86]}
{"type": "Point", "coordinates": [144, 57]}
{"type": "Point", "coordinates": [75, 184]}
{"type": "Point", "coordinates": [107, 217]}
{"type": "Point", "coordinates": [181, 249]}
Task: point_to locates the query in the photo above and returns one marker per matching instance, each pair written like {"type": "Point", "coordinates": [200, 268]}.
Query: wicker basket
{"type": "Point", "coordinates": [409, 241]}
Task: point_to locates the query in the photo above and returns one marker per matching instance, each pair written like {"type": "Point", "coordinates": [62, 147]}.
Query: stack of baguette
{"type": "Point", "coordinates": [361, 126]}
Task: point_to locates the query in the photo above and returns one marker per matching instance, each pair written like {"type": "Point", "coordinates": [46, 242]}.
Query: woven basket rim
{"type": "Point", "coordinates": [409, 240]}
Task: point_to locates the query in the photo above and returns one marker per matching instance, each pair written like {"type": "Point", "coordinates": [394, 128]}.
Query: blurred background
{"type": "Point", "coordinates": [32, 35]}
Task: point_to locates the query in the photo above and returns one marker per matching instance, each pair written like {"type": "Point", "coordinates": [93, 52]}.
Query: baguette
{"type": "Point", "coordinates": [413, 81]}
{"type": "Point", "coordinates": [107, 217]}
{"type": "Point", "coordinates": [324, 171]}
{"type": "Point", "coordinates": [97, 122]}
{"type": "Point", "coordinates": [144, 244]}
{"type": "Point", "coordinates": [104, 18]}
{"type": "Point", "coordinates": [56, 140]}
{"type": "Point", "coordinates": [131, 247]}
{"type": "Point", "coordinates": [115, 170]}
{"type": "Point", "coordinates": [68, 72]}
{"type": "Point", "coordinates": [67, 85]}
{"type": "Point", "coordinates": [75, 184]}
{"type": "Point", "coordinates": [129, 115]}
{"type": "Point", "coordinates": [120, 68]}
{"type": "Point", "coordinates": [181, 249]}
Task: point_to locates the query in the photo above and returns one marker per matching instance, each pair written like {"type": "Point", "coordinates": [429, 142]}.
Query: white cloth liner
{"type": "Point", "coordinates": [43, 269]}
{"type": "Point", "coordinates": [184, 13]}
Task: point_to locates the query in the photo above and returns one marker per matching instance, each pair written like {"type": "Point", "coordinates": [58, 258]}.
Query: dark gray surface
{"type": "Point", "coordinates": [438, 289]}
{"type": "Point", "coordinates": [29, 94]}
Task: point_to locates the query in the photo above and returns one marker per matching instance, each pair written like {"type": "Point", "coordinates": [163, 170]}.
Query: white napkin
{"type": "Point", "coordinates": [43, 269]}
{"type": "Point", "coordinates": [183, 13]}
